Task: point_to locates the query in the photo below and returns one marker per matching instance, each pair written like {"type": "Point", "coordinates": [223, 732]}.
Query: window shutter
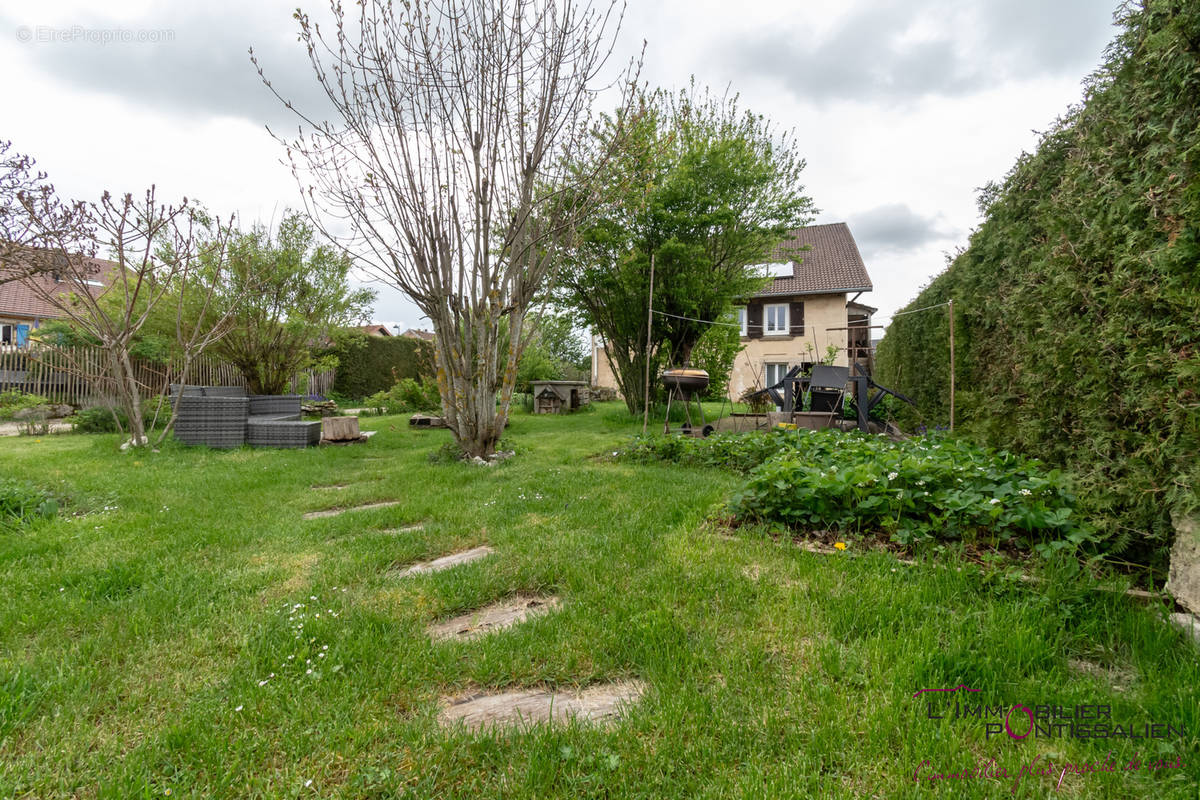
{"type": "Point", "coordinates": [796, 319]}
{"type": "Point", "coordinates": [754, 320]}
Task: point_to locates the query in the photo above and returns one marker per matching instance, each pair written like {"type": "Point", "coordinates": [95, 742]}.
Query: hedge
{"type": "Point", "coordinates": [1078, 298]}
{"type": "Point", "coordinates": [370, 364]}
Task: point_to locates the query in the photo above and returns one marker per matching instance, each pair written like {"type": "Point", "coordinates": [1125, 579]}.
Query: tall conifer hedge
{"type": "Point", "coordinates": [1078, 298]}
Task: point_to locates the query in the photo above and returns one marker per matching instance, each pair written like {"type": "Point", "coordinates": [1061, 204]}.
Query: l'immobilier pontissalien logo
{"type": "Point", "coordinates": [1043, 721]}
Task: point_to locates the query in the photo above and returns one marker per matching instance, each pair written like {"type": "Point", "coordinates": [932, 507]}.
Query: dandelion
{"type": "Point", "coordinates": [839, 545]}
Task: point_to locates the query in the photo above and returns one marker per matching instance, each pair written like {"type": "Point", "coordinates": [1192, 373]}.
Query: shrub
{"type": "Point", "coordinates": [406, 396]}
{"type": "Point", "coordinates": [931, 487]}
{"type": "Point", "coordinates": [22, 504]}
{"type": "Point", "coordinates": [12, 401]}
{"type": "Point", "coordinates": [368, 365]}
{"type": "Point", "coordinates": [96, 419]}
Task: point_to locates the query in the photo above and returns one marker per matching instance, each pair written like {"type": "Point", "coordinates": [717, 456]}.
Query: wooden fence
{"type": "Point", "coordinates": [80, 375]}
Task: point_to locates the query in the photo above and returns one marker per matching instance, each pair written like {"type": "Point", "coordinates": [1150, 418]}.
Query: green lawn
{"type": "Point", "coordinates": [135, 639]}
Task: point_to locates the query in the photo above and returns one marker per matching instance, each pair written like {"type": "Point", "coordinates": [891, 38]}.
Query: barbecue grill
{"type": "Point", "coordinates": [686, 384]}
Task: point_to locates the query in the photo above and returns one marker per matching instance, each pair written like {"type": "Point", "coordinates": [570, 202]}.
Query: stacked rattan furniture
{"type": "Point", "coordinates": [225, 416]}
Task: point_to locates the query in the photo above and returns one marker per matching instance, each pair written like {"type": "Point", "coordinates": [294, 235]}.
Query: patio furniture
{"type": "Point", "coordinates": [225, 417]}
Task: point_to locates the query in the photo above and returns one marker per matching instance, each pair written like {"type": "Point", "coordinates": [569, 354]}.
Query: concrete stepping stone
{"type": "Point", "coordinates": [419, 526]}
{"type": "Point", "coordinates": [495, 617]}
{"type": "Point", "coordinates": [601, 703]}
{"type": "Point", "coordinates": [333, 512]}
{"type": "Point", "coordinates": [446, 562]}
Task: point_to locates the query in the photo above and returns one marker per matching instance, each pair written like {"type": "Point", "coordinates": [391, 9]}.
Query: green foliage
{"type": "Point", "coordinates": [13, 400]}
{"type": "Point", "coordinates": [918, 489]}
{"type": "Point", "coordinates": [290, 293]}
{"type": "Point", "coordinates": [553, 351]}
{"type": "Point", "coordinates": [703, 188]}
{"type": "Point", "coordinates": [61, 333]}
{"type": "Point", "coordinates": [97, 419]}
{"type": "Point", "coordinates": [22, 504]}
{"type": "Point", "coordinates": [155, 410]}
{"type": "Point", "coordinates": [1077, 300]}
{"type": "Point", "coordinates": [715, 353]}
{"type": "Point", "coordinates": [406, 395]}
{"type": "Point", "coordinates": [368, 365]}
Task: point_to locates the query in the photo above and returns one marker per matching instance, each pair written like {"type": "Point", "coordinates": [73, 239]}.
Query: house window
{"type": "Point", "coordinates": [775, 320]}
{"type": "Point", "coordinates": [774, 374]}
{"type": "Point", "coordinates": [6, 334]}
{"type": "Point", "coordinates": [741, 318]}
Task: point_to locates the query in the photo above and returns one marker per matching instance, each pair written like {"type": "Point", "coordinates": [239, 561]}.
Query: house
{"type": "Point", "coordinates": [23, 307]}
{"type": "Point", "coordinates": [809, 310]}
{"type": "Point", "coordinates": [413, 333]}
{"type": "Point", "coordinates": [375, 330]}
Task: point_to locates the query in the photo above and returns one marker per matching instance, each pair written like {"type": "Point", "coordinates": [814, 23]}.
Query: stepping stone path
{"type": "Point", "coordinates": [446, 562]}
{"type": "Point", "coordinates": [600, 703]}
{"type": "Point", "coordinates": [495, 617]}
{"type": "Point", "coordinates": [333, 512]}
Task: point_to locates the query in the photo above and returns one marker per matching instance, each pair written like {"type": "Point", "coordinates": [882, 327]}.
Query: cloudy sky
{"type": "Point", "coordinates": [902, 109]}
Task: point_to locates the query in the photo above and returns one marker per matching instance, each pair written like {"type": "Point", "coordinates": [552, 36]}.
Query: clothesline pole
{"type": "Point", "coordinates": [649, 325]}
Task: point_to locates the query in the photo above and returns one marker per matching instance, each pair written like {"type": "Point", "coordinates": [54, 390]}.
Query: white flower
{"type": "Point", "coordinates": [893, 475]}
{"type": "Point", "coordinates": [920, 483]}
{"type": "Point", "coordinates": [309, 672]}
{"type": "Point", "coordinates": [308, 783]}
{"type": "Point", "coordinates": [239, 708]}
{"type": "Point", "coordinates": [1026, 492]}
{"type": "Point", "coordinates": [994, 500]}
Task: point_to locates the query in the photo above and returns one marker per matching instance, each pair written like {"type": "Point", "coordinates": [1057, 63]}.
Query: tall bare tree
{"type": "Point", "coordinates": [457, 122]}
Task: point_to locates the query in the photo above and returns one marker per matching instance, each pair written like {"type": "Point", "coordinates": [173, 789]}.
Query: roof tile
{"type": "Point", "coordinates": [831, 264]}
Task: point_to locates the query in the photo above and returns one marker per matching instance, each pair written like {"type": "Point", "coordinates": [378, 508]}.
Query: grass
{"type": "Point", "coordinates": [135, 639]}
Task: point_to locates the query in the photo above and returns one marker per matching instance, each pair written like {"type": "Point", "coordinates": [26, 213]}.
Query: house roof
{"type": "Point", "coordinates": [376, 330]}
{"type": "Point", "coordinates": [413, 333]}
{"type": "Point", "coordinates": [831, 263]}
{"type": "Point", "coordinates": [18, 298]}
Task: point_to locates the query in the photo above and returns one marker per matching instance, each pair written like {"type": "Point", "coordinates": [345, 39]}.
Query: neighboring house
{"type": "Point", "coordinates": [375, 330]}
{"type": "Point", "coordinates": [807, 308]}
{"type": "Point", "coordinates": [413, 333]}
{"type": "Point", "coordinates": [23, 310]}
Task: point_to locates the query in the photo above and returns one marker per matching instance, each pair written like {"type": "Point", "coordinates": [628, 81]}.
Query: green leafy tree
{"type": "Point", "coordinates": [290, 296]}
{"type": "Point", "coordinates": [704, 189]}
{"type": "Point", "coordinates": [715, 353]}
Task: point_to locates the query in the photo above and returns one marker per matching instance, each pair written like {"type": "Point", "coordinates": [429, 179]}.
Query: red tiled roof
{"type": "Point", "coordinates": [831, 264]}
{"type": "Point", "coordinates": [376, 330]}
{"type": "Point", "coordinates": [19, 299]}
{"type": "Point", "coordinates": [413, 333]}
